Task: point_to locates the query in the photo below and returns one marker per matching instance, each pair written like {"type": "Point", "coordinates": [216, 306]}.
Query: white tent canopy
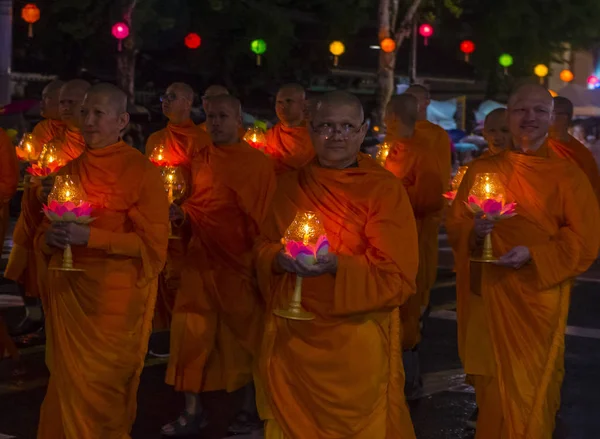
{"type": "Point", "coordinates": [586, 102]}
{"type": "Point", "coordinates": [486, 108]}
{"type": "Point", "coordinates": [442, 113]}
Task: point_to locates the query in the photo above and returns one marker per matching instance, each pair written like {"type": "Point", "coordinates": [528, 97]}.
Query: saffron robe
{"type": "Point", "coordinates": [289, 147]}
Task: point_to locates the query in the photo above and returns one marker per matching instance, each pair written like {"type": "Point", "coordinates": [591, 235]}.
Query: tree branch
{"type": "Point", "coordinates": [405, 27]}
{"type": "Point", "coordinates": [384, 19]}
{"type": "Point", "coordinates": [395, 6]}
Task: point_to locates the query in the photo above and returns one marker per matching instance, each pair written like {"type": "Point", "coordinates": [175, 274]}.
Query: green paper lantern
{"type": "Point", "coordinates": [505, 60]}
{"type": "Point", "coordinates": [258, 47]}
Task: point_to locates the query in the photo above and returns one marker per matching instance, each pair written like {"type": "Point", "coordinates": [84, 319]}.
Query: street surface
{"type": "Point", "coordinates": [440, 414]}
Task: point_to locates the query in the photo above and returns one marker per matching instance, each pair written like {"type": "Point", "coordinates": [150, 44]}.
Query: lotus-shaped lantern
{"type": "Point", "coordinates": [493, 208]}
{"type": "Point", "coordinates": [39, 171]}
{"type": "Point", "coordinates": [305, 241]}
{"type": "Point", "coordinates": [69, 212]}
{"type": "Point", "coordinates": [255, 137]}
{"type": "Point", "coordinates": [48, 162]}
{"type": "Point", "coordinates": [455, 184]}
{"type": "Point", "coordinates": [158, 156]}
{"type": "Point", "coordinates": [28, 148]}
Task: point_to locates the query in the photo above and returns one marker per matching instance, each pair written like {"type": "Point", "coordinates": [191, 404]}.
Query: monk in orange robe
{"type": "Point", "coordinates": [210, 92]}
{"type": "Point", "coordinates": [495, 132]}
{"type": "Point", "coordinates": [9, 178]}
{"type": "Point", "coordinates": [512, 314]}
{"type": "Point", "coordinates": [288, 142]}
{"type": "Point", "coordinates": [52, 126]}
{"type": "Point", "coordinates": [181, 140]}
{"type": "Point", "coordinates": [217, 319]}
{"type": "Point", "coordinates": [339, 375]}
{"type": "Point", "coordinates": [98, 321]}
{"type": "Point", "coordinates": [567, 147]}
{"type": "Point", "coordinates": [26, 266]}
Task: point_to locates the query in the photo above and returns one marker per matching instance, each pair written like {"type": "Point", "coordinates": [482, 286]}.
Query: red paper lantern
{"type": "Point", "coordinates": [120, 31]}
{"type": "Point", "coordinates": [467, 47]}
{"type": "Point", "coordinates": [426, 30]}
{"type": "Point", "coordinates": [192, 40]}
{"type": "Point", "coordinates": [30, 13]}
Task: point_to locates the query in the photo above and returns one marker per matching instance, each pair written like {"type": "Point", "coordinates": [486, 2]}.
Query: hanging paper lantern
{"type": "Point", "coordinates": [566, 75]}
{"type": "Point", "coordinates": [120, 31]}
{"type": "Point", "coordinates": [192, 40]}
{"type": "Point", "coordinates": [541, 71]}
{"type": "Point", "coordinates": [30, 13]}
{"type": "Point", "coordinates": [592, 81]}
{"type": "Point", "coordinates": [426, 30]}
{"type": "Point", "coordinates": [336, 48]}
{"type": "Point", "coordinates": [388, 45]}
{"type": "Point", "coordinates": [505, 61]}
{"type": "Point", "coordinates": [258, 47]}
{"type": "Point", "coordinates": [467, 47]}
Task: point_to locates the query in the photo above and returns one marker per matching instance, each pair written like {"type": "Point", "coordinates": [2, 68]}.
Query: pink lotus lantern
{"type": "Point", "coordinates": [304, 240]}
{"type": "Point", "coordinates": [487, 197]}
{"type": "Point", "coordinates": [120, 31]}
{"type": "Point", "coordinates": [66, 203]}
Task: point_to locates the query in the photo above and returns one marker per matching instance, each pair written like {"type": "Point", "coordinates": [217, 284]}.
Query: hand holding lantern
{"type": "Point", "coordinates": [486, 199]}
{"type": "Point", "coordinates": [28, 149]}
{"type": "Point", "coordinates": [175, 187]}
{"type": "Point", "coordinates": [455, 184]}
{"type": "Point", "coordinates": [255, 137]}
{"type": "Point", "coordinates": [305, 240]}
{"type": "Point", "coordinates": [66, 204]}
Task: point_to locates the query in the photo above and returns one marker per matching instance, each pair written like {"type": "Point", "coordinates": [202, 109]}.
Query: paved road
{"type": "Point", "coordinates": [439, 414]}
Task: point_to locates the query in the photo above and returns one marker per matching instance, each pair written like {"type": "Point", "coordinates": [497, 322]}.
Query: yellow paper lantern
{"type": "Point", "coordinates": [541, 71]}
{"type": "Point", "coordinates": [337, 49]}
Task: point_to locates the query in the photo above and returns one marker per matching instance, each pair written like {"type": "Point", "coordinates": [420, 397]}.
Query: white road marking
{"type": "Point", "coordinates": [5, 436]}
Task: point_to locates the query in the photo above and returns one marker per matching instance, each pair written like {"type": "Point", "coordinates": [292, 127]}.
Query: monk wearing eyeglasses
{"type": "Point", "coordinates": [339, 375]}
{"type": "Point", "coordinates": [181, 140]}
{"type": "Point", "coordinates": [288, 142]}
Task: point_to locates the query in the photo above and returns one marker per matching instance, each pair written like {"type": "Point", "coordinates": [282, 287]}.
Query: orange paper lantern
{"type": "Point", "coordinates": [388, 45]}
{"type": "Point", "coordinates": [30, 13]}
{"type": "Point", "coordinates": [566, 76]}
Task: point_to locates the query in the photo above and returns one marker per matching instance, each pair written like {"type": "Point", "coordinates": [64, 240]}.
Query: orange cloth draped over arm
{"type": "Point", "coordinates": [416, 166]}
{"type": "Point", "coordinates": [46, 130]}
{"type": "Point", "coordinates": [181, 143]}
{"type": "Point", "coordinates": [518, 317]}
{"type": "Point", "coordinates": [25, 265]}
{"type": "Point", "coordinates": [341, 374]}
{"type": "Point", "coordinates": [217, 319]}
{"type": "Point", "coordinates": [289, 147]}
{"type": "Point", "coordinates": [574, 151]}
{"type": "Point", "coordinates": [98, 321]}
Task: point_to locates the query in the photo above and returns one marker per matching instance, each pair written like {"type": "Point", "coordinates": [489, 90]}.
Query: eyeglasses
{"type": "Point", "coordinates": [170, 97]}
{"type": "Point", "coordinates": [328, 130]}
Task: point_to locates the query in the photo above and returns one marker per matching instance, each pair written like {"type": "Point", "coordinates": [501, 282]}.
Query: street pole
{"type": "Point", "coordinates": [413, 54]}
{"type": "Point", "coordinates": [5, 49]}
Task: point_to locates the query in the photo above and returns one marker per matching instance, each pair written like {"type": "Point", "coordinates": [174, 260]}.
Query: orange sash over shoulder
{"type": "Point", "coordinates": [48, 129]}
{"type": "Point", "coordinates": [290, 147]}
{"type": "Point", "coordinates": [341, 374]}
{"type": "Point", "coordinates": [98, 321]}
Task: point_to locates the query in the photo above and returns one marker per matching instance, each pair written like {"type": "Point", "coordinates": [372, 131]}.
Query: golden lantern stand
{"type": "Point", "coordinates": [295, 311]}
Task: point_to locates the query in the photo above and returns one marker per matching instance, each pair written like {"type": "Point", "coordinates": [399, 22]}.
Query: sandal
{"type": "Point", "coordinates": [187, 424]}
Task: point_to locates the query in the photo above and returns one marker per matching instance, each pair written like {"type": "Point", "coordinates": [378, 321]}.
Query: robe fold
{"type": "Point", "coordinates": [181, 143]}
{"type": "Point", "coordinates": [217, 318]}
{"type": "Point", "coordinates": [98, 322]}
{"type": "Point", "coordinates": [511, 323]}
{"type": "Point", "coordinates": [46, 130]}
{"type": "Point", "coordinates": [341, 374]}
{"type": "Point", "coordinates": [439, 141]}
{"type": "Point", "coordinates": [416, 166]}
{"type": "Point", "coordinates": [24, 264]}
{"type": "Point", "coordinates": [289, 147]}
{"type": "Point", "coordinates": [574, 151]}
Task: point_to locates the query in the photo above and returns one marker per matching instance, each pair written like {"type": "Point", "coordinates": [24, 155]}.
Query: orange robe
{"type": "Point", "coordinates": [181, 143]}
{"type": "Point", "coordinates": [289, 147]}
{"type": "Point", "coordinates": [24, 265]}
{"type": "Point", "coordinates": [217, 319]}
{"type": "Point", "coordinates": [9, 179]}
{"type": "Point", "coordinates": [416, 166]}
{"type": "Point", "coordinates": [574, 151]}
{"type": "Point", "coordinates": [339, 375]}
{"type": "Point", "coordinates": [48, 129]}
{"type": "Point", "coordinates": [511, 323]}
{"type": "Point", "coordinates": [98, 321]}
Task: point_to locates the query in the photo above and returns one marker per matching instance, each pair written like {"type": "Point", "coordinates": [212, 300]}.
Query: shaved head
{"type": "Point", "coordinates": [50, 99]}
{"type": "Point", "coordinates": [224, 119]}
{"type": "Point", "coordinates": [215, 90]}
{"type": "Point", "coordinates": [183, 90]}
{"type": "Point", "coordinates": [563, 105]}
{"type": "Point", "coordinates": [290, 105]}
{"type": "Point", "coordinates": [563, 115]}
{"type": "Point", "coordinates": [405, 107]}
{"type": "Point", "coordinates": [530, 114]}
{"type": "Point", "coordinates": [104, 115]}
{"type": "Point", "coordinates": [70, 100]}
{"type": "Point", "coordinates": [423, 99]}
{"type": "Point", "coordinates": [177, 102]}
{"type": "Point", "coordinates": [495, 130]}
{"type": "Point", "coordinates": [115, 97]}
{"type": "Point", "coordinates": [337, 99]}
{"type": "Point", "coordinates": [497, 114]}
